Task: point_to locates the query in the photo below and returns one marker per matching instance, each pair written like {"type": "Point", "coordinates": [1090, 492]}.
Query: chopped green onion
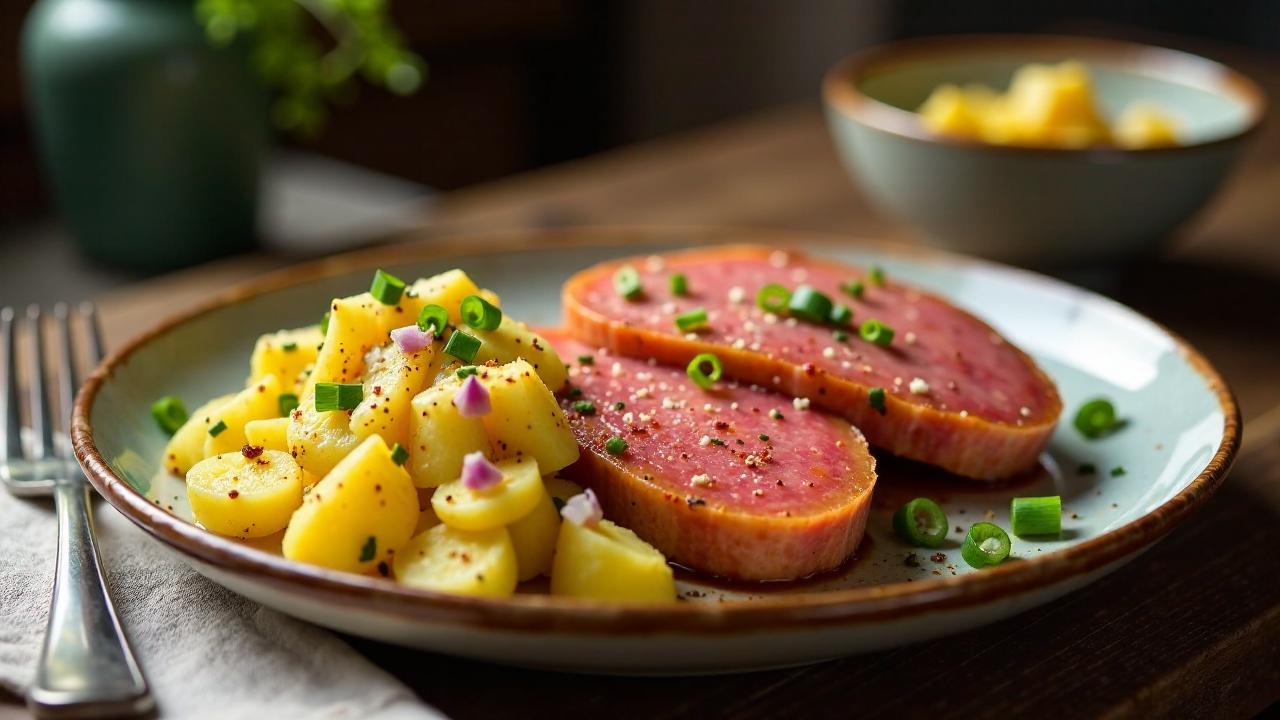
{"type": "Point", "coordinates": [852, 288]}
{"type": "Point", "coordinates": [170, 413]}
{"type": "Point", "coordinates": [715, 441]}
{"type": "Point", "coordinates": [692, 319]}
{"type": "Point", "coordinates": [217, 429]}
{"type": "Point", "coordinates": [574, 392]}
{"type": "Point", "coordinates": [434, 318]}
{"type": "Point", "coordinates": [619, 405]}
{"type": "Point", "coordinates": [1087, 469]}
{"type": "Point", "coordinates": [289, 346]}
{"type": "Point", "coordinates": [840, 336]}
{"type": "Point", "coordinates": [874, 331]}
{"type": "Point", "coordinates": [286, 403]}
{"type": "Point", "coordinates": [773, 298]}
{"type": "Point", "coordinates": [810, 305]}
{"type": "Point", "coordinates": [586, 359]}
{"type": "Point", "coordinates": [626, 282]}
{"type": "Point", "coordinates": [875, 396]}
{"type": "Point", "coordinates": [386, 288]}
{"type": "Point", "coordinates": [584, 407]}
{"type": "Point", "coordinates": [480, 313]}
{"type": "Point", "coordinates": [876, 275]}
{"type": "Point", "coordinates": [1036, 515]}
{"type": "Point", "coordinates": [615, 445]}
{"type": "Point", "coordinates": [1096, 418]}
{"type": "Point", "coordinates": [921, 522]}
{"type": "Point", "coordinates": [986, 544]}
{"type": "Point", "coordinates": [370, 549]}
{"type": "Point", "coordinates": [324, 323]}
{"type": "Point", "coordinates": [679, 284]}
{"type": "Point", "coordinates": [462, 346]}
{"type": "Point", "coordinates": [841, 314]}
{"type": "Point", "coordinates": [700, 377]}
{"type": "Point", "coordinates": [338, 396]}
{"type": "Point", "coordinates": [763, 437]}
{"type": "Point", "coordinates": [1118, 471]}
{"type": "Point", "coordinates": [398, 454]}
{"type": "Point", "coordinates": [466, 370]}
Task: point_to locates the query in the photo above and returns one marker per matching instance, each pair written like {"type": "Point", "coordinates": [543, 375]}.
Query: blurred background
{"type": "Point", "coordinates": [515, 85]}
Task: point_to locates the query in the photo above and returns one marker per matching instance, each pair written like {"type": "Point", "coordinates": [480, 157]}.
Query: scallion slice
{"type": "Point", "coordinates": [286, 403]}
{"type": "Point", "coordinates": [399, 455]}
{"type": "Point", "coordinates": [773, 298]}
{"type": "Point", "coordinates": [324, 323]}
{"type": "Point", "coordinates": [462, 346]}
{"type": "Point", "coordinates": [615, 445]}
{"type": "Point", "coordinates": [434, 318]}
{"type": "Point", "coordinates": [852, 288]}
{"type": "Point", "coordinates": [626, 282]}
{"type": "Point", "coordinates": [986, 544]}
{"type": "Point", "coordinates": [921, 522]}
{"type": "Point", "coordinates": [840, 336]}
{"type": "Point", "coordinates": [466, 370]}
{"type": "Point", "coordinates": [1096, 418]}
{"type": "Point", "coordinates": [875, 397]}
{"type": "Point", "coordinates": [170, 413]}
{"type": "Point", "coordinates": [692, 319]}
{"type": "Point", "coordinates": [480, 313]}
{"type": "Point", "coordinates": [679, 284]}
{"type": "Point", "coordinates": [876, 332]}
{"type": "Point", "coordinates": [217, 429]}
{"type": "Point", "coordinates": [1036, 515]}
{"type": "Point", "coordinates": [587, 359]}
{"type": "Point", "coordinates": [584, 407]}
{"type": "Point", "coordinates": [386, 288]}
{"type": "Point", "coordinates": [841, 314]}
{"type": "Point", "coordinates": [289, 346]}
{"type": "Point", "coordinates": [809, 304]}
{"type": "Point", "coordinates": [876, 275]}
{"type": "Point", "coordinates": [338, 396]}
{"type": "Point", "coordinates": [703, 378]}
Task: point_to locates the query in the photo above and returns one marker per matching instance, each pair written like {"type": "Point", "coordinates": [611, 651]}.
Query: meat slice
{"type": "Point", "coordinates": [714, 478]}
{"type": "Point", "coordinates": [956, 394]}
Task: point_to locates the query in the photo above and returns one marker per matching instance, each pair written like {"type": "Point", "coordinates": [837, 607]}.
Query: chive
{"type": "Point", "coordinates": [840, 336]}
{"type": "Point", "coordinates": [586, 359]}
{"type": "Point", "coordinates": [462, 346]}
{"type": "Point", "coordinates": [776, 414]}
{"type": "Point", "coordinates": [692, 319]}
{"type": "Point", "coordinates": [370, 549]}
{"type": "Point", "coordinates": [574, 392]}
{"type": "Point", "coordinates": [480, 313]}
{"type": "Point", "coordinates": [763, 437]}
{"type": "Point", "coordinates": [338, 396]}
{"type": "Point", "coordinates": [1118, 471]}
{"type": "Point", "coordinates": [852, 288]}
{"type": "Point", "coordinates": [324, 323]}
{"type": "Point", "coordinates": [921, 522]}
{"type": "Point", "coordinates": [289, 346]}
{"type": "Point", "coordinates": [399, 455]}
{"type": "Point", "coordinates": [217, 429]}
{"type": "Point", "coordinates": [466, 370]}
{"type": "Point", "coordinates": [986, 544]}
{"type": "Point", "coordinates": [876, 332]}
{"type": "Point", "coordinates": [773, 298]}
{"type": "Point", "coordinates": [808, 304]}
{"type": "Point", "coordinates": [584, 407]}
{"type": "Point", "coordinates": [679, 284]}
{"type": "Point", "coordinates": [717, 441]}
{"type": "Point", "coordinates": [626, 282]}
{"type": "Point", "coordinates": [433, 318]}
{"type": "Point", "coordinates": [286, 403]}
{"type": "Point", "coordinates": [1096, 418]}
{"type": "Point", "coordinates": [386, 288]}
{"type": "Point", "coordinates": [619, 405]}
{"type": "Point", "coordinates": [1036, 515]}
{"type": "Point", "coordinates": [701, 378]}
{"type": "Point", "coordinates": [841, 314]}
{"type": "Point", "coordinates": [170, 413]}
{"type": "Point", "coordinates": [875, 396]}
{"type": "Point", "coordinates": [876, 275]}
{"type": "Point", "coordinates": [615, 445]}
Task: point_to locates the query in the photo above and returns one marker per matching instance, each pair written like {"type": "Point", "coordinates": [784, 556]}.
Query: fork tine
{"type": "Point", "coordinates": [12, 445]}
{"type": "Point", "coordinates": [68, 378]}
{"type": "Point", "coordinates": [93, 330]}
{"type": "Point", "coordinates": [41, 423]}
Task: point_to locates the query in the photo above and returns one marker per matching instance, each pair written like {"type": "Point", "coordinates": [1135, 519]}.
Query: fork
{"type": "Point", "coordinates": [86, 667]}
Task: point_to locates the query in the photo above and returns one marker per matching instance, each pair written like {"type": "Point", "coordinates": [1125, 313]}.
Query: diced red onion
{"type": "Point", "coordinates": [472, 399]}
{"type": "Point", "coordinates": [583, 509]}
{"type": "Point", "coordinates": [411, 339]}
{"type": "Point", "coordinates": [478, 473]}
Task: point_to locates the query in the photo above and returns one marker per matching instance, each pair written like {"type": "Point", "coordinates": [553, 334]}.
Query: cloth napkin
{"type": "Point", "coordinates": [207, 652]}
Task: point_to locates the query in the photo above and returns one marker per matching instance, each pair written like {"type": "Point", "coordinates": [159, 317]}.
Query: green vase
{"type": "Point", "coordinates": [151, 140]}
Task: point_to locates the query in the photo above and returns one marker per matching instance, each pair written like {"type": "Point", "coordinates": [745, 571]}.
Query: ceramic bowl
{"type": "Point", "coordinates": [1182, 432]}
{"type": "Point", "coordinates": [1037, 206]}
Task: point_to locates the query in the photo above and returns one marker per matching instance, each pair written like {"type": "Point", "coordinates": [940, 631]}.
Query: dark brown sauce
{"type": "Point", "coordinates": [770, 586]}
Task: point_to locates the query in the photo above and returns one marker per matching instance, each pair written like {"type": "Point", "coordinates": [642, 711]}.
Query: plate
{"type": "Point", "coordinates": [1181, 435]}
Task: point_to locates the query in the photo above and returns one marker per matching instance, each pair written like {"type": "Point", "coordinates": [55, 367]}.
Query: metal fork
{"type": "Point", "coordinates": [86, 668]}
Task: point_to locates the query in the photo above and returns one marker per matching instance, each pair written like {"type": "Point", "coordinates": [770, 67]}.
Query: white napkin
{"type": "Point", "coordinates": [207, 652]}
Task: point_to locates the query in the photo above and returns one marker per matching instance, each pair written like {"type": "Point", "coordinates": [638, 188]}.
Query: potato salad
{"type": "Point", "coordinates": [414, 433]}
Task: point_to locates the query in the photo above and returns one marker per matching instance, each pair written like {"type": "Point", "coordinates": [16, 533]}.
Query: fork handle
{"type": "Point", "coordinates": [86, 668]}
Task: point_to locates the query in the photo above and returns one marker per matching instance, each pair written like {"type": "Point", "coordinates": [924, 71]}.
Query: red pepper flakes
{"type": "Point", "coordinates": [251, 451]}
{"type": "Point", "coordinates": [233, 494]}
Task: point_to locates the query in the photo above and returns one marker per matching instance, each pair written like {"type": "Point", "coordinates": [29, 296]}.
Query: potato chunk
{"type": "Point", "coordinates": [441, 436]}
{"type": "Point", "coordinates": [514, 340]}
{"type": "Point", "coordinates": [511, 499]}
{"type": "Point", "coordinates": [272, 433]}
{"type": "Point", "coordinates": [607, 562]}
{"type": "Point", "coordinates": [285, 354]}
{"type": "Point", "coordinates": [256, 402]}
{"type": "Point", "coordinates": [392, 381]}
{"type": "Point", "coordinates": [447, 290]}
{"type": "Point", "coordinates": [534, 538]}
{"type": "Point", "coordinates": [247, 497]}
{"type": "Point", "coordinates": [186, 447]}
{"type": "Point", "coordinates": [465, 562]}
{"type": "Point", "coordinates": [360, 514]}
{"type": "Point", "coordinates": [319, 440]}
{"type": "Point", "coordinates": [526, 420]}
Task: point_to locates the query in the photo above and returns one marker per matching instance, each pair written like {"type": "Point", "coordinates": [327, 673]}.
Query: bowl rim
{"type": "Point", "coordinates": [546, 614]}
{"type": "Point", "coordinates": [841, 93]}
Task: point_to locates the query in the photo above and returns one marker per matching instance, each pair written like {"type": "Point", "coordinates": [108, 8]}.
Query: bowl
{"type": "Point", "coordinates": [1029, 205]}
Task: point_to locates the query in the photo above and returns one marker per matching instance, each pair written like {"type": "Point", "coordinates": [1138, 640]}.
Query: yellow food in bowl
{"type": "Point", "coordinates": [1050, 106]}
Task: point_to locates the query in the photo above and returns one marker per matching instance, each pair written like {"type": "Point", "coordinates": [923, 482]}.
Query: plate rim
{"type": "Point", "coordinates": [544, 613]}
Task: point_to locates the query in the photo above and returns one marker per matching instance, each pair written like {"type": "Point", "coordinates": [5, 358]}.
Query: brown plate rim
{"type": "Point", "coordinates": [840, 86]}
{"type": "Point", "coordinates": [541, 613]}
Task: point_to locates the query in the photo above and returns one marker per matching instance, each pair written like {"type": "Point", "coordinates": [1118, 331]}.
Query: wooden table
{"type": "Point", "coordinates": [1190, 628]}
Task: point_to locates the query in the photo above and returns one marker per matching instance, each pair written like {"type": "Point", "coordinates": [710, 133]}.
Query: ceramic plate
{"type": "Point", "coordinates": [1181, 435]}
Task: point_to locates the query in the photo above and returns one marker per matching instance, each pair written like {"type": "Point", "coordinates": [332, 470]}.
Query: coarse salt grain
{"type": "Point", "coordinates": [828, 352]}
{"type": "Point", "coordinates": [701, 480]}
{"type": "Point", "coordinates": [705, 440]}
{"type": "Point", "coordinates": [918, 386]}
{"type": "Point", "coordinates": [616, 369]}
{"type": "Point", "coordinates": [737, 294]}
{"type": "Point", "coordinates": [800, 403]}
